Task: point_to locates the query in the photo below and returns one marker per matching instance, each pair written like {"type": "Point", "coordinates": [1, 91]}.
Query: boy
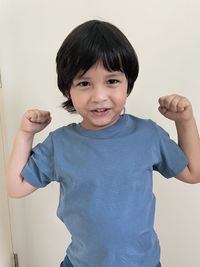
{"type": "Point", "coordinates": [104, 164]}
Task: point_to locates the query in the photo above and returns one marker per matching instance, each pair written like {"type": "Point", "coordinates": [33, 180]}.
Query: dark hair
{"type": "Point", "coordinates": [91, 42]}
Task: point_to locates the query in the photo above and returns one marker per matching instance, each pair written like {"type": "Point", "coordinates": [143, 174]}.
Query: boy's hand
{"type": "Point", "coordinates": [35, 121]}
{"type": "Point", "coordinates": [175, 107]}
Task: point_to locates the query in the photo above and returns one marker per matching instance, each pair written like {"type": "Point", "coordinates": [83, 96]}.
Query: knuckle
{"type": "Point", "coordinates": [173, 105]}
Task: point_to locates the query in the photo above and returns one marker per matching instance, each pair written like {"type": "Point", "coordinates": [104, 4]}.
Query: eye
{"type": "Point", "coordinates": [83, 84]}
{"type": "Point", "coordinates": [112, 82]}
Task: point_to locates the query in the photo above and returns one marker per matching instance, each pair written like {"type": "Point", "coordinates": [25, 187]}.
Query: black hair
{"type": "Point", "coordinates": [91, 42]}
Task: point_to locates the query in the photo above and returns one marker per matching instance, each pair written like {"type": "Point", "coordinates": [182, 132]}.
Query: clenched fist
{"type": "Point", "coordinates": [35, 121]}
{"type": "Point", "coordinates": [175, 107]}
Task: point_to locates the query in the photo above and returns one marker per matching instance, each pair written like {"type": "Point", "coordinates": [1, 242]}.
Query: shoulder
{"type": "Point", "coordinates": [63, 131]}
{"type": "Point", "coordinates": [64, 134]}
{"type": "Point", "coordinates": [142, 124]}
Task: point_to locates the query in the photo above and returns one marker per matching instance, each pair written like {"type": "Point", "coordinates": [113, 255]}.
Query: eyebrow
{"type": "Point", "coordinates": [113, 74]}
{"type": "Point", "coordinates": [117, 73]}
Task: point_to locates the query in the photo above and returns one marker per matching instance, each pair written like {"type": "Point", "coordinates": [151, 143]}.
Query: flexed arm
{"type": "Point", "coordinates": [32, 122]}
{"type": "Point", "coordinates": [179, 109]}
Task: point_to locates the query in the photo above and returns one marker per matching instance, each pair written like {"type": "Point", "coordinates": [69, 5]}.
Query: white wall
{"type": "Point", "coordinates": [166, 37]}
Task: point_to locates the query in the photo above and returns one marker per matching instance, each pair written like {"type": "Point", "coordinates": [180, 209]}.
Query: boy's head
{"type": "Point", "coordinates": [91, 42]}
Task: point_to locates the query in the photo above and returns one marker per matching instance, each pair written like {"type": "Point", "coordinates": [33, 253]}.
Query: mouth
{"type": "Point", "coordinates": [100, 111]}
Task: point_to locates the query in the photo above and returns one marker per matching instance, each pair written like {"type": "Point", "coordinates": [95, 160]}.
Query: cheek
{"type": "Point", "coordinates": [76, 103]}
{"type": "Point", "coordinates": [74, 100]}
{"type": "Point", "coordinates": [78, 100]}
{"type": "Point", "coordinates": [121, 97]}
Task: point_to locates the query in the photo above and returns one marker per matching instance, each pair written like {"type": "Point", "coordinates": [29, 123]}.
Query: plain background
{"type": "Point", "coordinates": [166, 37]}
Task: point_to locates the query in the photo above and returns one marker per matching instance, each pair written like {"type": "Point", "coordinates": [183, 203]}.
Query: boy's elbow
{"type": "Point", "coordinates": [194, 176]}
{"type": "Point", "coordinates": [195, 179]}
{"type": "Point", "coordinates": [18, 189]}
{"type": "Point", "coordinates": [188, 176]}
{"type": "Point", "coordinates": [13, 193]}
{"type": "Point", "coordinates": [16, 194]}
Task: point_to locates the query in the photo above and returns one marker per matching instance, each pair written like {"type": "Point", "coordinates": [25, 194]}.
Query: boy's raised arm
{"type": "Point", "coordinates": [33, 121]}
{"type": "Point", "coordinates": [179, 109]}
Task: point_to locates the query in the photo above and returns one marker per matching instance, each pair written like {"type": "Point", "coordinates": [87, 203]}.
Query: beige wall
{"type": "Point", "coordinates": [166, 37]}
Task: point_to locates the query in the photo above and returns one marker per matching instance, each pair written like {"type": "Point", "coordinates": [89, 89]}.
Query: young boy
{"type": "Point", "coordinates": [104, 164]}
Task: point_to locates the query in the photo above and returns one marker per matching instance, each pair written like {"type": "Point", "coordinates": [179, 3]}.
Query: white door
{"type": "Point", "coordinates": [5, 229]}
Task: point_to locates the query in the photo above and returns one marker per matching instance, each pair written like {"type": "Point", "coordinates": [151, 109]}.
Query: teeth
{"type": "Point", "coordinates": [100, 109]}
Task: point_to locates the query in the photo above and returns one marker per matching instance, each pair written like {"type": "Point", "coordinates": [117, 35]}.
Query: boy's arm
{"type": "Point", "coordinates": [179, 109]}
{"type": "Point", "coordinates": [33, 121]}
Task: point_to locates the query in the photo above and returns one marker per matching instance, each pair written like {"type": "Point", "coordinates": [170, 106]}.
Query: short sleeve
{"type": "Point", "coordinates": [39, 170]}
{"type": "Point", "coordinates": [171, 160]}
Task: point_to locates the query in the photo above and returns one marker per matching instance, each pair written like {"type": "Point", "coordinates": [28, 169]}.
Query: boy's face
{"type": "Point", "coordinates": [99, 96]}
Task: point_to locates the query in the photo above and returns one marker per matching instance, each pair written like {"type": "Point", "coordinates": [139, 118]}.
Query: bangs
{"type": "Point", "coordinates": [99, 53]}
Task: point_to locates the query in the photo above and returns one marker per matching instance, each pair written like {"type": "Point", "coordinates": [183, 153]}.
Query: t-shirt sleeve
{"type": "Point", "coordinates": [171, 160]}
{"type": "Point", "coordinates": [39, 171]}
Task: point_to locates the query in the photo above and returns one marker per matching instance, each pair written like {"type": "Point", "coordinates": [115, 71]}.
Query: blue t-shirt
{"type": "Point", "coordinates": [106, 198]}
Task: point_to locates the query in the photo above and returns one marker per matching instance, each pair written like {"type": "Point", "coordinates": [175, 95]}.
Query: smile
{"type": "Point", "coordinates": [100, 111]}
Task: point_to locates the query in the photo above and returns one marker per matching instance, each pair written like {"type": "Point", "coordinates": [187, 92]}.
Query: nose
{"type": "Point", "coordinates": [99, 94]}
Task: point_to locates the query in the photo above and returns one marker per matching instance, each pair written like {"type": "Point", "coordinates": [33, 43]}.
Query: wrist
{"type": "Point", "coordinates": [186, 123]}
{"type": "Point", "coordinates": [25, 135]}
